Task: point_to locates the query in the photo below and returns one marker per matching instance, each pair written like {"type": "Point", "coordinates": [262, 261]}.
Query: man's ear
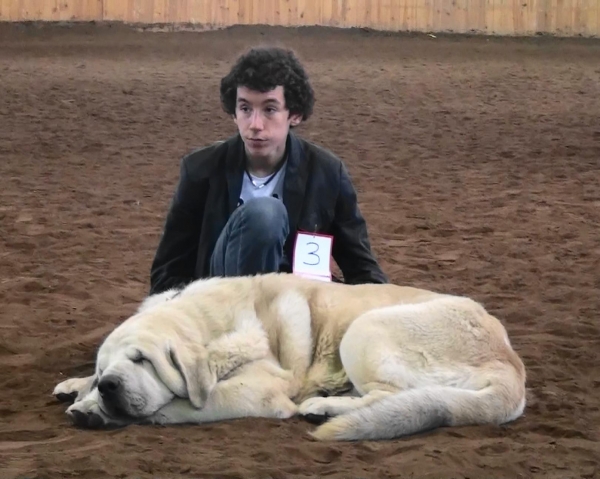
{"type": "Point", "coordinates": [295, 120]}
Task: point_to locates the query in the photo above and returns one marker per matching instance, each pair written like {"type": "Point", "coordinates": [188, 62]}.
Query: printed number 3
{"type": "Point", "coordinates": [313, 253]}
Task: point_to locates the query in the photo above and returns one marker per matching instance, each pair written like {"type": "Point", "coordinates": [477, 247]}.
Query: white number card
{"type": "Point", "coordinates": [312, 256]}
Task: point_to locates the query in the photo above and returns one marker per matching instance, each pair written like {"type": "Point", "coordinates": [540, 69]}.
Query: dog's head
{"type": "Point", "coordinates": [139, 372]}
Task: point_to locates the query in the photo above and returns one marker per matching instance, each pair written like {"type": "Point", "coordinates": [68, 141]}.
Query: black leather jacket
{"type": "Point", "coordinates": [318, 194]}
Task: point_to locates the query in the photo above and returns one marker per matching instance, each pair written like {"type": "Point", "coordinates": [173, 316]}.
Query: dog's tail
{"type": "Point", "coordinates": [418, 410]}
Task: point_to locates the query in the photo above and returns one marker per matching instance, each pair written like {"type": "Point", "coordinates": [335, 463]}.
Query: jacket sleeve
{"type": "Point", "coordinates": [351, 245]}
{"type": "Point", "coordinates": [175, 259]}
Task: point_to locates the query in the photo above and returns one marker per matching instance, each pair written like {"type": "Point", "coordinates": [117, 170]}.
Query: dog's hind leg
{"type": "Point", "coordinates": [336, 405]}
{"type": "Point", "coordinates": [416, 376]}
{"type": "Point", "coordinates": [326, 376]}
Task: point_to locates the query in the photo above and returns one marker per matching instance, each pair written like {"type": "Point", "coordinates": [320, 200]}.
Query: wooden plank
{"type": "Point", "coordinates": [520, 17]}
{"type": "Point", "coordinates": [411, 15]}
{"type": "Point", "coordinates": [531, 12]}
{"type": "Point", "coordinates": [303, 12]}
{"type": "Point", "coordinates": [577, 18]}
{"type": "Point", "coordinates": [594, 19]}
{"type": "Point", "coordinates": [475, 19]}
{"type": "Point", "coordinates": [326, 12]}
{"type": "Point", "coordinates": [144, 11]}
{"type": "Point", "coordinates": [489, 15]}
{"type": "Point", "coordinates": [83, 10]}
{"type": "Point", "coordinates": [460, 16]}
{"type": "Point", "coordinates": [586, 19]}
{"type": "Point", "coordinates": [422, 13]}
{"type": "Point", "coordinates": [564, 18]}
{"type": "Point", "coordinates": [242, 14]}
{"type": "Point", "coordinates": [399, 15]}
{"type": "Point", "coordinates": [16, 10]}
{"type": "Point", "coordinates": [115, 10]}
{"type": "Point", "coordinates": [278, 7]}
{"type": "Point", "coordinates": [505, 17]}
{"type": "Point", "coordinates": [160, 11]}
{"type": "Point", "coordinates": [232, 10]}
{"type": "Point", "coordinates": [546, 16]}
{"type": "Point", "coordinates": [352, 13]}
{"type": "Point", "coordinates": [219, 14]}
{"type": "Point", "coordinates": [385, 15]}
{"type": "Point", "coordinates": [29, 9]}
{"type": "Point", "coordinates": [257, 11]}
{"type": "Point", "coordinates": [344, 12]}
{"type": "Point", "coordinates": [294, 12]}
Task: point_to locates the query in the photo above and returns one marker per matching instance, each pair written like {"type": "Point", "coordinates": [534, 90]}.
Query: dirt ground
{"type": "Point", "coordinates": [478, 168]}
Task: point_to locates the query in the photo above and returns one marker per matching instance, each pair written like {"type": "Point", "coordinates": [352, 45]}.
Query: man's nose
{"type": "Point", "coordinates": [256, 121]}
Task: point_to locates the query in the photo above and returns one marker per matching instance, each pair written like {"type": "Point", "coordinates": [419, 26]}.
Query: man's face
{"type": "Point", "coordinates": [264, 122]}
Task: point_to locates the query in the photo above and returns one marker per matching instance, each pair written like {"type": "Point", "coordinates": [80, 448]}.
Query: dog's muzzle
{"type": "Point", "coordinates": [111, 389]}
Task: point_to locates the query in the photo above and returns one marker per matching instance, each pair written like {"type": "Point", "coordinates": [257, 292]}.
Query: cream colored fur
{"type": "Point", "coordinates": [391, 360]}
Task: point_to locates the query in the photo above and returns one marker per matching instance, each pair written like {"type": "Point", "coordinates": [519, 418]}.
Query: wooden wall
{"type": "Point", "coordinates": [501, 17]}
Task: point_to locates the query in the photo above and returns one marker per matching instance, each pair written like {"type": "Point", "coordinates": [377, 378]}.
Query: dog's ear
{"type": "Point", "coordinates": [184, 369]}
{"type": "Point", "coordinates": [193, 364]}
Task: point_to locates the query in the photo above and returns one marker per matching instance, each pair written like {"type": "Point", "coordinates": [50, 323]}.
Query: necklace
{"type": "Point", "coordinates": [261, 185]}
{"type": "Point", "coordinates": [273, 175]}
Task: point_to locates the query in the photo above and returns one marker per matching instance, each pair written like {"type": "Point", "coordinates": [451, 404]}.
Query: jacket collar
{"type": "Point", "coordinates": [235, 170]}
{"type": "Point", "coordinates": [296, 175]}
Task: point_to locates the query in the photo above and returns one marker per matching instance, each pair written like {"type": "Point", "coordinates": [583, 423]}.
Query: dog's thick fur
{"type": "Point", "coordinates": [377, 361]}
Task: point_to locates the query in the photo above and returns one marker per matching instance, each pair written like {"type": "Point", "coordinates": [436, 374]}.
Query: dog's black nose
{"type": "Point", "coordinates": [109, 385]}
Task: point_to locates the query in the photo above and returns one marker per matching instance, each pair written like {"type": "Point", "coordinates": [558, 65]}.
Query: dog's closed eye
{"type": "Point", "coordinates": [138, 358]}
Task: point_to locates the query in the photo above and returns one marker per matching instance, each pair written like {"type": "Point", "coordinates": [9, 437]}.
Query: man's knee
{"type": "Point", "coordinates": [266, 219]}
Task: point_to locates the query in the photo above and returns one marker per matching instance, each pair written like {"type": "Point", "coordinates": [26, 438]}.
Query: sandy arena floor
{"type": "Point", "coordinates": [478, 167]}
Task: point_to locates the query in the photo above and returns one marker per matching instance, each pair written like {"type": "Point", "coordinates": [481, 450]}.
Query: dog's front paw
{"type": "Point", "coordinates": [88, 415]}
{"type": "Point", "coordinates": [316, 406]}
{"type": "Point", "coordinates": [68, 390]}
{"type": "Point", "coordinates": [86, 419]}
{"type": "Point", "coordinates": [313, 411]}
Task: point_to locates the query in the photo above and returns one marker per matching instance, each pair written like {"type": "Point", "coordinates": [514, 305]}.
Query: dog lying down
{"type": "Point", "coordinates": [365, 361]}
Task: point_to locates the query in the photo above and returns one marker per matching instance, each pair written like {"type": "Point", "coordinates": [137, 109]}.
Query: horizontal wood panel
{"type": "Point", "coordinates": [499, 17]}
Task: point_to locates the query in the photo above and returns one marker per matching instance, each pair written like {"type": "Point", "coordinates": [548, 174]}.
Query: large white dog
{"type": "Point", "coordinates": [373, 361]}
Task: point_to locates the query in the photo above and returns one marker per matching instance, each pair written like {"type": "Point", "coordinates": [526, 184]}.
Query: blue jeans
{"type": "Point", "coordinates": [252, 241]}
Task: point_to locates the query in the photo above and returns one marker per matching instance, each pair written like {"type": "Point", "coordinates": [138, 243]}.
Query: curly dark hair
{"type": "Point", "coordinates": [263, 69]}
